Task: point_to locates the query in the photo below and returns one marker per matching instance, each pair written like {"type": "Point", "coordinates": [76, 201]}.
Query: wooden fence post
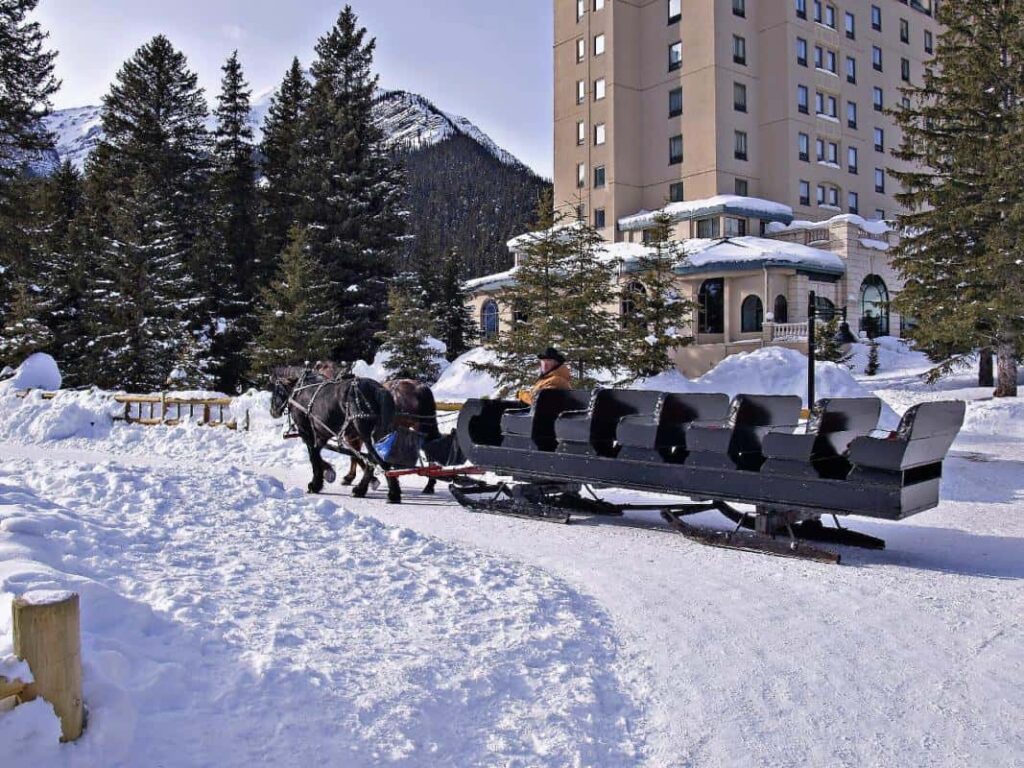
{"type": "Point", "coordinates": [47, 629]}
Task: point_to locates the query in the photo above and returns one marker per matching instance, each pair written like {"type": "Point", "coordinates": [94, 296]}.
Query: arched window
{"type": "Point", "coordinates": [825, 309]}
{"type": "Point", "coordinates": [781, 309]}
{"type": "Point", "coordinates": [752, 315]}
{"type": "Point", "coordinates": [489, 320]}
{"type": "Point", "coordinates": [874, 307]}
{"type": "Point", "coordinates": [627, 303]}
{"type": "Point", "coordinates": [711, 306]}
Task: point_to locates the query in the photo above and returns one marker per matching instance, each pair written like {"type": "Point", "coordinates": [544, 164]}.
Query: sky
{"type": "Point", "coordinates": [489, 61]}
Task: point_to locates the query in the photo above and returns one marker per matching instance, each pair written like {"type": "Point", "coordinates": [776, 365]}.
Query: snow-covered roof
{"type": "Point", "coordinates": [734, 253]}
{"type": "Point", "coordinates": [872, 227]}
{"type": "Point", "coordinates": [753, 207]}
{"type": "Point", "coordinates": [521, 241]}
{"type": "Point", "coordinates": [491, 282]}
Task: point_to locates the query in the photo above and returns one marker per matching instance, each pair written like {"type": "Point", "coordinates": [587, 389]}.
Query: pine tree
{"type": "Point", "coordinates": [234, 200]}
{"type": "Point", "coordinates": [452, 318]}
{"type": "Point", "coordinates": [658, 323]}
{"type": "Point", "coordinates": [960, 256]}
{"type": "Point", "coordinates": [157, 273]}
{"type": "Point", "coordinates": [292, 312]}
{"type": "Point", "coordinates": [350, 188]}
{"type": "Point", "coordinates": [828, 347]}
{"type": "Point", "coordinates": [26, 85]}
{"type": "Point", "coordinates": [282, 136]}
{"type": "Point", "coordinates": [871, 369]}
{"type": "Point", "coordinates": [405, 339]}
{"type": "Point", "coordinates": [561, 297]}
{"type": "Point", "coordinates": [24, 331]}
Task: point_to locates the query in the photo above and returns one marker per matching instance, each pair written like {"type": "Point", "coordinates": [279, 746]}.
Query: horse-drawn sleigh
{"type": "Point", "coordinates": [705, 451]}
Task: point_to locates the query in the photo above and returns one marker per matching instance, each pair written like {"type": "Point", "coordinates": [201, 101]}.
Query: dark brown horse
{"type": "Point", "coordinates": [353, 414]}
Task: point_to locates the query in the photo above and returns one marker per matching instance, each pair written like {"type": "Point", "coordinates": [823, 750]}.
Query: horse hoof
{"type": "Point", "coordinates": [359, 493]}
{"type": "Point", "coordinates": [428, 491]}
{"type": "Point", "coordinates": [312, 489]}
{"type": "Point", "coordinates": [394, 500]}
{"type": "Point", "coordinates": [347, 481]}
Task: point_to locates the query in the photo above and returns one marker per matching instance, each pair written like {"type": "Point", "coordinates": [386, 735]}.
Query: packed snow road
{"type": "Point", "coordinates": [229, 619]}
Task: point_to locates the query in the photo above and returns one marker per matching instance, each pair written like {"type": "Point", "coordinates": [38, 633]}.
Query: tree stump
{"type": "Point", "coordinates": [47, 636]}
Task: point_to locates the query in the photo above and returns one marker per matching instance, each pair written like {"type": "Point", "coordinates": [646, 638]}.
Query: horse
{"type": "Point", "coordinates": [355, 413]}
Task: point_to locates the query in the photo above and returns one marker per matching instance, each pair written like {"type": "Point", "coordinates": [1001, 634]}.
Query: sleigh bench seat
{"type": "Point", "coordinates": [533, 428]}
{"type": "Point", "coordinates": [661, 436]}
{"type": "Point", "coordinates": [593, 432]}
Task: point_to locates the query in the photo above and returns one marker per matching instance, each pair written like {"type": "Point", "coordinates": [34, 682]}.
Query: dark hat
{"type": "Point", "coordinates": [551, 354]}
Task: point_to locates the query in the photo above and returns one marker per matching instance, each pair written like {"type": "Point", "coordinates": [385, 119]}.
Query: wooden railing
{"type": "Point", "coordinates": [167, 410]}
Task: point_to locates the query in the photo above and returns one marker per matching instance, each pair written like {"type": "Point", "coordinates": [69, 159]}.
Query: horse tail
{"type": "Point", "coordinates": [428, 410]}
{"type": "Point", "coordinates": [386, 410]}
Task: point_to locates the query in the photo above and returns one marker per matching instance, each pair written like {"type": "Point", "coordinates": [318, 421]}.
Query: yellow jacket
{"type": "Point", "coordinates": [559, 378]}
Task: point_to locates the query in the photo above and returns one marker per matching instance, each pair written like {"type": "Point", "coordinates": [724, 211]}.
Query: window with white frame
{"type": "Point", "coordinates": [598, 45]}
{"type": "Point", "coordinates": [581, 132]}
{"type": "Point", "coordinates": [581, 49]}
{"type": "Point", "coordinates": [581, 175]}
{"type": "Point", "coordinates": [600, 134]}
{"type": "Point", "coordinates": [581, 91]}
{"type": "Point", "coordinates": [675, 11]}
{"type": "Point", "coordinates": [599, 89]}
{"type": "Point", "coordinates": [675, 56]}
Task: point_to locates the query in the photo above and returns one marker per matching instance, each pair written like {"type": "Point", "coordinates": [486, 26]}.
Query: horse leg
{"type": "Point", "coordinates": [317, 484]}
{"type": "Point", "coordinates": [364, 484]}
{"type": "Point", "coordinates": [394, 491]}
{"type": "Point", "coordinates": [351, 476]}
{"type": "Point", "coordinates": [428, 489]}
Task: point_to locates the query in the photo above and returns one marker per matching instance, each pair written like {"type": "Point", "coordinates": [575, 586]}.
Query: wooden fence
{"type": "Point", "coordinates": [167, 410]}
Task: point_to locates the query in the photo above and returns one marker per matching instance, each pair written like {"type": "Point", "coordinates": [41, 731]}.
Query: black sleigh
{"type": "Point", "coordinates": [715, 452]}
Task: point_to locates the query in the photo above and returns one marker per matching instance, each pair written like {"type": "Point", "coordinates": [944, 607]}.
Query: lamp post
{"type": "Point", "coordinates": [812, 321]}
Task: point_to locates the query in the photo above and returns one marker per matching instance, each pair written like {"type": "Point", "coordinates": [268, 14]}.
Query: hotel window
{"type": "Point", "coordinates": [850, 23]}
{"type": "Point", "coordinates": [879, 214]}
{"type": "Point", "coordinates": [581, 133]}
{"type": "Point", "coordinates": [904, 31]}
{"type": "Point", "coordinates": [600, 134]}
{"type": "Point", "coordinates": [740, 149]}
{"type": "Point", "coordinates": [879, 180]}
{"type": "Point", "coordinates": [598, 5]}
{"type": "Point", "coordinates": [876, 58]}
{"type": "Point", "coordinates": [801, 52]}
{"type": "Point", "coordinates": [819, 150]}
{"type": "Point", "coordinates": [879, 140]}
{"type": "Point", "coordinates": [877, 99]}
{"type": "Point", "coordinates": [803, 146]}
{"type": "Point", "coordinates": [675, 102]}
{"type": "Point", "coordinates": [851, 115]}
{"type": "Point", "coordinates": [801, 8]}
{"type": "Point", "coordinates": [599, 89]}
{"type": "Point", "coordinates": [818, 11]}
{"type": "Point", "coordinates": [675, 150]}
{"type": "Point", "coordinates": [739, 97]}
{"type": "Point", "coordinates": [735, 227]}
{"type": "Point", "coordinates": [599, 177]}
{"type": "Point", "coordinates": [675, 192]}
{"type": "Point", "coordinates": [739, 8]}
{"type": "Point", "coordinates": [675, 11]}
{"type": "Point", "coordinates": [929, 42]}
{"type": "Point", "coordinates": [830, 64]}
{"type": "Point", "coordinates": [851, 69]}
{"type": "Point", "coordinates": [801, 99]}
{"type": "Point", "coordinates": [905, 102]}
{"type": "Point", "coordinates": [581, 9]}
{"type": "Point", "coordinates": [675, 56]}
{"type": "Point", "coordinates": [851, 159]}
{"type": "Point", "coordinates": [833, 196]}
{"type": "Point", "coordinates": [805, 193]}
{"type": "Point", "coordinates": [830, 16]}
{"type": "Point", "coordinates": [581, 175]}
{"type": "Point", "coordinates": [832, 158]}
{"type": "Point", "coordinates": [599, 45]}
{"type": "Point", "coordinates": [581, 212]}
{"type": "Point", "coordinates": [707, 228]}
{"type": "Point", "coordinates": [825, 105]}
{"type": "Point", "coordinates": [581, 91]}
{"type": "Point", "coordinates": [905, 70]}
{"type": "Point", "coordinates": [742, 188]}
{"type": "Point", "coordinates": [821, 194]}
{"type": "Point", "coordinates": [599, 218]}
{"type": "Point", "coordinates": [876, 18]}
{"type": "Point", "coordinates": [739, 50]}
{"type": "Point", "coordinates": [853, 202]}
{"type": "Point", "coordinates": [581, 49]}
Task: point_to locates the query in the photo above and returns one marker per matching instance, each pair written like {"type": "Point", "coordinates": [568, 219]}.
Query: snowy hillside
{"type": "Point", "coordinates": [406, 119]}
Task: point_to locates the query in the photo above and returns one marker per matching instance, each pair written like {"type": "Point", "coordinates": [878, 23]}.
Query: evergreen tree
{"type": "Point", "coordinates": [828, 346]}
{"type": "Point", "coordinates": [660, 316]}
{"type": "Point", "coordinates": [871, 369]}
{"type": "Point", "coordinates": [24, 331]}
{"type": "Point", "coordinates": [292, 312]}
{"type": "Point", "coordinates": [405, 339]}
{"type": "Point", "coordinates": [234, 198]}
{"type": "Point", "coordinates": [561, 297]}
{"type": "Point", "coordinates": [350, 188]}
{"type": "Point", "coordinates": [158, 276]}
{"type": "Point", "coordinates": [453, 320]}
{"type": "Point", "coordinates": [26, 86]}
{"type": "Point", "coordinates": [960, 256]}
{"type": "Point", "coordinates": [282, 136]}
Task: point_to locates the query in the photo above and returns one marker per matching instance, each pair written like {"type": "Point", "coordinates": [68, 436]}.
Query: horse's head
{"type": "Point", "coordinates": [283, 381]}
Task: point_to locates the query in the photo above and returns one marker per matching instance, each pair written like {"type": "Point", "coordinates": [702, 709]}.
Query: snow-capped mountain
{"type": "Point", "coordinates": [405, 118]}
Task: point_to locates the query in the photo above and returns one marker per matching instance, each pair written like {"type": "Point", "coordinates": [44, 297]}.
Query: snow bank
{"type": "Point", "coordinates": [895, 357]}
{"type": "Point", "coordinates": [39, 371]}
{"type": "Point", "coordinates": [460, 382]}
{"type": "Point", "coordinates": [32, 419]}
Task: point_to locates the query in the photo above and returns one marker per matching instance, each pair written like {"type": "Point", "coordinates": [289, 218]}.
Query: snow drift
{"type": "Point", "coordinates": [39, 371]}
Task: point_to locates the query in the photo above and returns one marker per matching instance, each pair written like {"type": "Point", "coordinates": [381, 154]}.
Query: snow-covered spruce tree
{"type": "Point", "coordinates": [293, 311]}
{"type": "Point", "coordinates": [282, 135]}
{"type": "Point", "coordinates": [26, 85]}
{"type": "Point", "coordinates": [350, 187]}
{"type": "Point", "coordinates": [405, 340]}
{"type": "Point", "coordinates": [234, 203]}
{"type": "Point", "coordinates": [871, 369]}
{"type": "Point", "coordinates": [660, 318]}
{"type": "Point", "coordinates": [827, 346]}
{"type": "Point", "coordinates": [24, 332]}
{"type": "Point", "coordinates": [961, 254]}
{"type": "Point", "coordinates": [452, 316]}
{"type": "Point", "coordinates": [561, 297]}
{"type": "Point", "coordinates": [158, 275]}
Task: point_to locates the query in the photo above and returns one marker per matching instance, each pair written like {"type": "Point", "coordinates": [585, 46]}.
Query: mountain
{"type": "Point", "coordinates": [406, 119]}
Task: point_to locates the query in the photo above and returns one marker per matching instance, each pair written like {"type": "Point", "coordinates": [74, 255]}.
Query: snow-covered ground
{"type": "Point", "coordinates": [228, 619]}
